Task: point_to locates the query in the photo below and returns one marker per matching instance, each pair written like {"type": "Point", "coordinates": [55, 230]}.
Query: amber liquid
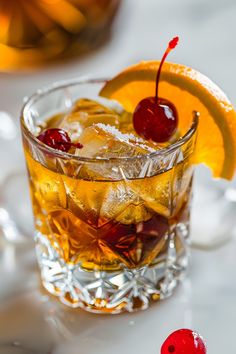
{"type": "Point", "coordinates": [33, 32]}
{"type": "Point", "coordinates": [108, 225]}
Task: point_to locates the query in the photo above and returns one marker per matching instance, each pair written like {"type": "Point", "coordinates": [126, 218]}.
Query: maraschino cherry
{"type": "Point", "coordinates": [156, 118]}
{"type": "Point", "coordinates": [184, 341]}
{"type": "Point", "coordinates": [58, 139]}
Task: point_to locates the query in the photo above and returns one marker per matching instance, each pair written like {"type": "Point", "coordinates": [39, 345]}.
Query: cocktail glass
{"type": "Point", "coordinates": [111, 234]}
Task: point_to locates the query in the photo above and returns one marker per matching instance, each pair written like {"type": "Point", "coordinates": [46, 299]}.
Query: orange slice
{"type": "Point", "coordinates": [189, 90]}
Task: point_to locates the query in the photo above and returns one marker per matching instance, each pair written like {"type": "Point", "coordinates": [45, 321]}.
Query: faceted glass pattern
{"type": "Point", "coordinates": [111, 234]}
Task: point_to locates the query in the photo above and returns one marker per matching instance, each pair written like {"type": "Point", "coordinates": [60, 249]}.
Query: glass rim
{"type": "Point", "coordinates": [63, 84]}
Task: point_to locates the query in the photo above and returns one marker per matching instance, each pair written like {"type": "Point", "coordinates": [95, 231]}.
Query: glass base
{"type": "Point", "coordinates": [110, 292]}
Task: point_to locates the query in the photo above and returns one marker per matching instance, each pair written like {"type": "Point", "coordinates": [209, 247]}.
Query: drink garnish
{"type": "Point", "coordinates": [189, 91]}
{"type": "Point", "coordinates": [58, 139]}
{"type": "Point", "coordinates": [156, 118]}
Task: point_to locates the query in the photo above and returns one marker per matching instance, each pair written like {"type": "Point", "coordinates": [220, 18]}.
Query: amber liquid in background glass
{"type": "Point", "coordinates": [33, 32]}
{"type": "Point", "coordinates": [105, 225]}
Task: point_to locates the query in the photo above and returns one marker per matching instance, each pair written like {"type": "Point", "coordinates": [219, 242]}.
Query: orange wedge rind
{"type": "Point", "coordinates": [190, 91]}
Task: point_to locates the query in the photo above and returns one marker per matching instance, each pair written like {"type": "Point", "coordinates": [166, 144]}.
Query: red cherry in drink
{"type": "Point", "coordinates": [184, 341]}
{"type": "Point", "coordinates": [58, 139]}
{"type": "Point", "coordinates": [156, 118]}
{"type": "Point", "coordinates": [155, 121]}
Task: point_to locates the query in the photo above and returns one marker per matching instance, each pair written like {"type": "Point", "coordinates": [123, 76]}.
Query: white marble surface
{"type": "Point", "coordinates": [33, 323]}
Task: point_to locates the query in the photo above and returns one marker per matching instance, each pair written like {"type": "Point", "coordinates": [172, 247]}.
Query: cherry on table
{"type": "Point", "coordinates": [58, 139]}
{"type": "Point", "coordinates": [156, 118]}
{"type": "Point", "coordinates": [184, 341]}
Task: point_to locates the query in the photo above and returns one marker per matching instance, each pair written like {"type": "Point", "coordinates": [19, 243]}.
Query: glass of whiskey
{"type": "Point", "coordinates": [111, 218]}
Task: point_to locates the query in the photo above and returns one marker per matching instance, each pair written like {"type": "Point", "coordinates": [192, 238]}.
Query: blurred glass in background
{"type": "Point", "coordinates": [33, 32]}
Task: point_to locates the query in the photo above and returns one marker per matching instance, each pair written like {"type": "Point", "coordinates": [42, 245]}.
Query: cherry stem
{"type": "Point", "coordinates": [172, 44]}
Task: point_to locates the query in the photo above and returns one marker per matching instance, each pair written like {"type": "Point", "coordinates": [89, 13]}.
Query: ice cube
{"type": "Point", "coordinates": [101, 140]}
{"type": "Point", "coordinates": [105, 141]}
{"type": "Point", "coordinates": [85, 113]}
{"type": "Point", "coordinates": [99, 203]}
{"type": "Point", "coordinates": [165, 192]}
{"type": "Point", "coordinates": [121, 204]}
{"type": "Point", "coordinates": [155, 191]}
